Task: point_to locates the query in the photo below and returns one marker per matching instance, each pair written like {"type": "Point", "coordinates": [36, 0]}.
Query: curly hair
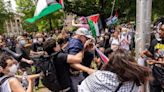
{"type": "Point", "coordinates": [3, 58]}
{"type": "Point", "coordinates": [49, 45]}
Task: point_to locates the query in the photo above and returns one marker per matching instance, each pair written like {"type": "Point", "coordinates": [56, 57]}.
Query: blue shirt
{"type": "Point", "coordinates": [74, 46]}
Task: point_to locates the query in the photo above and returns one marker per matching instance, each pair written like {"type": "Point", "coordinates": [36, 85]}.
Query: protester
{"type": "Point", "coordinates": [37, 47]}
{"type": "Point", "coordinates": [20, 49]}
{"type": "Point", "coordinates": [62, 63]}
{"type": "Point", "coordinates": [88, 57]}
{"type": "Point", "coordinates": [83, 23]}
{"type": "Point", "coordinates": [115, 40]}
{"type": "Point", "coordinates": [122, 74]}
{"type": "Point", "coordinates": [9, 83]}
{"type": "Point", "coordinates": [75, 45]}
{"type": "Point", "coordinates": [73, 53]}
{"type": "Point", "coordinates": [156, 52]}
{"type": "Point", "coordinates": [10, 43]}
{"type": "Point", "coordinates": [36, 52]}
{"type": "Point", "coordinates": [2, 43]}
{"type": "Point", "coordinates": [125, 39]}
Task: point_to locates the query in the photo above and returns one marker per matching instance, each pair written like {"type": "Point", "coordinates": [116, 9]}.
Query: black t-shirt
{"type": "Point", "coordinates": [22, 50]}
{"type": "Point", "coordinates": [37, 47]}
{"type": "Point", "coordinates": [157, 48]}
{"type": "Point", "coordinates": [62, 69]}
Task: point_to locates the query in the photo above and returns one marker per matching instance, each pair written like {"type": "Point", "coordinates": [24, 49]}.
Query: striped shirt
{"type": "Point", "coordinates": [105, 81]}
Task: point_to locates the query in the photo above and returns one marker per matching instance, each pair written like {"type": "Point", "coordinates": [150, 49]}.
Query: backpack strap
{"type": "Point", "coordinates": [119, 86]}
{"type": "Point", "coordinates": [132, 87]}
{"type": "Point", "coordinates": [4, 79]}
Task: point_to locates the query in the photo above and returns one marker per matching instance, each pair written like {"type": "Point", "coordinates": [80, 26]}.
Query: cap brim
{"type": "Point", "coordinates": [89, 36]}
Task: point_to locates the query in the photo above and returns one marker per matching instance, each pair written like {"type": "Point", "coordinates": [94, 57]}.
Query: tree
{"type": "Point", "coordinates": [27, 7]}
{"type": "Point", "coordinates": [126, 11]}
{"type": "Point", "coordinates": [157, 9]}
{"type": "Point", "coordinates": [5, 14]}
{"type": "Point", "coordinates": [125, 8]}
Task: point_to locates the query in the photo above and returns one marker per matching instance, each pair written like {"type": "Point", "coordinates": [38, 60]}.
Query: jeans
{"type": "Point", "coordinates": [76, 80]}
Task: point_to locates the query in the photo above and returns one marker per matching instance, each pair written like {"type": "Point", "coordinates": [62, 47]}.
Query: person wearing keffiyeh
{"type": "Point", "coordinates": [121, 74]}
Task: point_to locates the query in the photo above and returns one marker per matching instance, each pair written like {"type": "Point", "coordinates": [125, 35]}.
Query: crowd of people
{"type": "Point", "coordinates": [78, 67]}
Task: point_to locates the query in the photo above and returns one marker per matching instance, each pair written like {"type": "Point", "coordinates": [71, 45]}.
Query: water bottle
{"type": "Point", "coordinates": [24, 80]}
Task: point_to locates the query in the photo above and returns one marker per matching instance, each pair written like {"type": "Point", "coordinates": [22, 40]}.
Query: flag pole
{"type": "Point", "coordinates": [143, 22]}
{"type": "Point", "coordinates": [112, 8]}
{"type": "Point", "coordinates": [50, 24]}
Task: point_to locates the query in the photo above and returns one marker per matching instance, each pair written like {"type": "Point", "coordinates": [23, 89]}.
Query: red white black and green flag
{"type": "Point", "coordinates": [44, 8]}
{"type": "Point", "coordinates": [61, 2]}
{"type": "Point", "coordinates": [104, 59]}
{"type": "Point", "coordinates": [93, 23]}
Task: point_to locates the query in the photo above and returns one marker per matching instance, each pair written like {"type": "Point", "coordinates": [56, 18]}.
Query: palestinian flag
{"type": "Point", "coordinates": [103, 58]}
{"type": "Point", "coordinates": [112, 20]}
{"type": "Point", "coordinates": [44, 8]}
{"type": "Point", "coordinates": [62, 3]}
{"type": "Point", "coordinates": [93, 23]}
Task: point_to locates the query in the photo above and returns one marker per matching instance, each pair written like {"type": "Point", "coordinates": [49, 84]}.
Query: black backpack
{"type": "Point", "coordinates": [49, 79]}
{"type": "Point", "coordinates": [158, 73]}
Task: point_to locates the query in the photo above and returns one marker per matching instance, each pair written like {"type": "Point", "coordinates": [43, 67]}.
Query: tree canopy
{"type": "Point", "coordinates": [126, 10]}
{"type": "Point", "coordinates": [5, 13]}
{"type": "Point", "coordinates": [27, 7]}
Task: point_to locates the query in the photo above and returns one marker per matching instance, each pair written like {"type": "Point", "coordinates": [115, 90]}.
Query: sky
{"type": "Point", "coordinates": [13, 3]}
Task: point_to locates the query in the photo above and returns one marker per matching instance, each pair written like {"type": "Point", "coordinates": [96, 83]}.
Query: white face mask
{"type": "Point", "coordinates": [22, 42]}
{"type": "Point", "coordinates": [13, 69]}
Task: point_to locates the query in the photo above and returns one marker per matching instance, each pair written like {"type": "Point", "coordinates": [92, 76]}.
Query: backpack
{"type": "Point", "coordinates": [49, 78]}
{"type": "Point", "coordinates": [158, 73]}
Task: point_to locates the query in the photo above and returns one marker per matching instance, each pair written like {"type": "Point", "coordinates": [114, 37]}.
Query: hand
{"type": "Point", "coordinates": [90, 71]}
{"type": "Point", "coordinates": [30, 80]}
{"type": "Point", "coordinates": [41, 53]}
{"type": "Point", "coordinates": [29, 62]}
{"type": "Point", "coordinates": [87, 43]}
{"type": "Point", "coordinates": [143, 53]}
{"type": "Point", "coordinates": [151, 62]}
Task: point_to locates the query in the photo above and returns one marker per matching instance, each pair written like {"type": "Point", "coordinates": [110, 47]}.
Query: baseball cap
{"type": "Point", "coordinates": [85, 32]}
{"type": "Point", "coordinates": [20, 38]}
{"type": "Point", "coordinates": [39, 35]}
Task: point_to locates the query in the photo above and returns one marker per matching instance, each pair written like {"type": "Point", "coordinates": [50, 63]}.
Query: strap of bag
{"type": "Point", "coordinates": [118, 87]}
{"type": "Point", "coordinates": [132, 87]}
{"type": "Point", "coordinates": [4, 79]}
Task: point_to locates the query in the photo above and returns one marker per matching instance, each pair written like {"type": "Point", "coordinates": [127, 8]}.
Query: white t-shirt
{"type": "Point", "coordinates": [125, 41]}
